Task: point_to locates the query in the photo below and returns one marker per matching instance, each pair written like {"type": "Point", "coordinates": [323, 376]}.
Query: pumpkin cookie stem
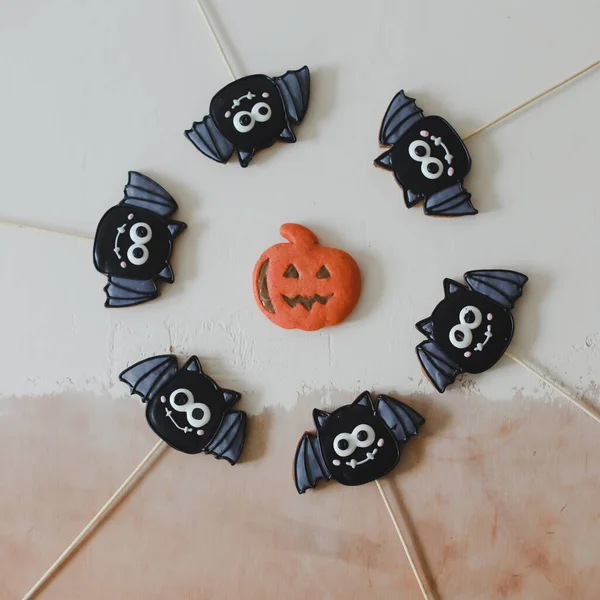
{"type": "Point", "coordinates": [298, 234]}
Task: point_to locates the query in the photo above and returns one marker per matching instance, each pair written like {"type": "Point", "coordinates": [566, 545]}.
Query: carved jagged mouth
{"type": "Point", "coordinates": [267, 302]}
{"type": "Point", "coordinates": [306, 301]}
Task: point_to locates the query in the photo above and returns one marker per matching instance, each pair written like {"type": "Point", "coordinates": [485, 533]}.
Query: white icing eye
{"type": "Point", "coordinates": [140, 233]}
{"type": "Point", "coordinates": [419, 150]}
{"type": "Point", "coordinates": [344, 444]}
{"type": "Point", "coordinates": [470, 317]}
{"type": "Point", "coordinates": [364, 435]}
{"type": "Point", "coordinates": [461, 337]}
{"type": "Point", "coordinates": [431, 167]}
{"type": "Point", "coordinates": [243, 121]}
{"type": "Point", "coordinates": [261, 112]}
{"type": "Point", "coordinates": [197, 413]}
{"type": "Point", "coordinates": [137, 254]}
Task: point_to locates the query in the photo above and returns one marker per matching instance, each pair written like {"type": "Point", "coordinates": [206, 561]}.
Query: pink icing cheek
{"type": "Point", "coordinates": [467, 354]}
{"type": "Point", "coordinates": [490, 316]}
{"type": "Point", "coordinates": [336, 462]}
{"type": "Point", "coordinates": [228, 114]}
{"type": "Point", "coordinates": [424, 133]}
{"type": "Point", "coordinates": [130, 216]}
{"type": "Point", "coordinates": [123, 264]}
{"type": "Point", "coordinates": [451, 171]}
{"type": "Point", "coordinates": [200, 432]}
{"type": "Point", "coordinates": [265, 94]}
{"type": "Point", "coordinates": [380, 442]}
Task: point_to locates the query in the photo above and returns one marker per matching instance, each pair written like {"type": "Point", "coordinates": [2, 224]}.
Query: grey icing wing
{"type": "Point", "coordinates": [499, 285]}
{"type": "Point", "coordinates": [122, 292]}
{"type": "Point", "coordinates": [440, 369]}
{"type": "Point", "coordinates": [309, 466]}
{"type": "Point", "coordinates": [295, 91]}
{"type": "Point", "coordinates": [143, 192]}
{"type": "Point", "coordinates": [209, 140]}
{"type": "Point", "coordinates": [228, 441]}
{"type": "Point", "coordinates": [403, 420]}
{"type": "Point", "coordinates": [401, 115]}
{"type": "Point", "coordinates": [454, 201]}
{"type": "Point", "coordinates": [147, 377]}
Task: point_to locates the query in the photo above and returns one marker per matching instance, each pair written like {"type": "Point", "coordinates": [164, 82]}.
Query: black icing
{"type": "Point", "coordinates": [375, 432]}
{"type": "Point", "coordinates": [471, 328]}
{"type": "Point", "coordinates": [250, 114]}
{"type": "Point", "coordinates": [178, 400]}
{"type": "Point", "coordinates": [134, 242]}
{"type": "Point", "coordinates": [428, 158]}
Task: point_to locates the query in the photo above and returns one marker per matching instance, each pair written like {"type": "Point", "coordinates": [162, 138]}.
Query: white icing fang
{"type": "Point", "coordinates": [438, 142]}
{"type": "Point", "coordinates": [238, 101]}
{"type": "Point", "coordinates": [116, 249]}
{"type": "Point", "coordinates": [488, 335]}
{"type": "Point", "coordinates": [370, 456]}
{"type": "Point", "coordinates": [169, 413]}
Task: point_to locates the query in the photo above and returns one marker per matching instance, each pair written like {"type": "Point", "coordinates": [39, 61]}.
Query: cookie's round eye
{"type": "Point", "coordinates": [243, 121]}
{"type": "Point", "coordinates": [344, 444]}
{"type": "Point", "coordinates": [137, 254]}
{"type": "Point", "coordinates": [261, 112]}
{"type": "Point", "coordinates": [364, 435]}
{"type": "Point", "coordinates": [419, 150]}
{"type": "Point", "coordinates": [471, 317]}
{"type": "Point", "coordinates": [199, 415]}
{"type": "Point", "coordinates": [140, 233]}
{"type": "Point", "coordinates": [181, 397]}
{"type": "Point", "coordinates": [461, 337]}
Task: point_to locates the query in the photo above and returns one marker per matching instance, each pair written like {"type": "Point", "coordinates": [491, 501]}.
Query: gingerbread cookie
{"type": "Point", "coordinates": [471, 328]}
{"type": "Point", "coordinates": [186, 408]}
{"type": "Point", "coordinates": [302, 285]}
{"type": "Point", "coordinates": [427, 157]}
{"type": "Point", "coordinates": [355, 444]}
{"type": "Point", "coordinates": [250, 114]}
{"type": "Point", "coordinates": [134, 241]}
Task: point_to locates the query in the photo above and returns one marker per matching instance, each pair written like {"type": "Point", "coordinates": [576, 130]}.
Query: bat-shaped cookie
{"type": "Point", "coordinates": [427, 157]}
{"type": "Point", "coordinates": [134, 241]}
{"type": "Point", "coordinates": [355, 444]}
{"type": "Point", "coordinates": [186, 408]}
{"type": "Point", "coordinates": [471, 328]}
{"type": "Point", "coordinates": [250, 114]}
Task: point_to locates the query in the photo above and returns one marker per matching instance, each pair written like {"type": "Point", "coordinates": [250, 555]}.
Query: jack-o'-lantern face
{"type": "Point", "coordinates": [302, 285]}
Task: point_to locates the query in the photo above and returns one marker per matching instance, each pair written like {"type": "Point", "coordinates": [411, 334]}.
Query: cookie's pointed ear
{"type": "Point", "coordinates": [364, 400]}
{"type": "Point", "coordinates": [230, 397]}
{"type": "Point", "coordinates": [193, 365]}
{"type": "Point", "coordinates": [320, 417]}
{"type": "Point", "coordinates": [451, 286]}
{"type": "Point", "coordinates": [425, 327]}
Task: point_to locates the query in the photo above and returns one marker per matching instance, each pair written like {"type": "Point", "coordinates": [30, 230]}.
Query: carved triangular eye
{"type": "Point", "coordinates": [323, 273]}
{"type": "Point", "coordinates": [292, 272]}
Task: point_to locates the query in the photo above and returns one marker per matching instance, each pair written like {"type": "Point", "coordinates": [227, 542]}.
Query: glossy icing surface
{"type": "Point", "coordinates": [134, 242]}
{"type": "Point", "coordinates": [250, 114]}
{"type": "Point", "coordinates": [356, 443]}
{"type": "Point", "coordinates": [471, 328]}
{"type": "Point", "coordinates": [188, 409]}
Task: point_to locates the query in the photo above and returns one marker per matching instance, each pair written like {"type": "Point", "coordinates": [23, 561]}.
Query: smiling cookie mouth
{"type": "Point", "coordinates": [370, 456]}
{"type": "Point", "coordinates": [307, 301]}
{"type": "Point", "coordinates": [488, 335]}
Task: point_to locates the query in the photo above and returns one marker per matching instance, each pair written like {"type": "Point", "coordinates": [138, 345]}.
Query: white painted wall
{"type": "Point", "coordinates": [90, 90]}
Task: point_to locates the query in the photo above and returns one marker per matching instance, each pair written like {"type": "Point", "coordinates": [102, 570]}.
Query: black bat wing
{"type": "Point", "coordinates": [454, 201]}
{"type": "Point", "coordinates": [147, 377]}
{"type": "Point", "coordinates": [400, 116]}
{"type": "Point", "coordinates": [440, 369]}
{"type": "Point", "coordinates": [403, 420]}
{"type": "Point", "coordinates": [295, 91]}
{"type": "Point", "coordinates": [309, 465]}
{"type": "Point", "coordinates": [500, 285]}
{"type": "Point", "coordinates": [228, 441]}
{"type": "Point", "coordinates": [122, 292]}
{"type": "Point", "coordinates": [143, 192]}
{"type": "Point", "coordinates": [209, 140]}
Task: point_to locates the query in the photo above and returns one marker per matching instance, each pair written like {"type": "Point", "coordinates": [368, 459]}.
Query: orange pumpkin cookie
{"type": "Point", "coordinates": [302, 285]}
